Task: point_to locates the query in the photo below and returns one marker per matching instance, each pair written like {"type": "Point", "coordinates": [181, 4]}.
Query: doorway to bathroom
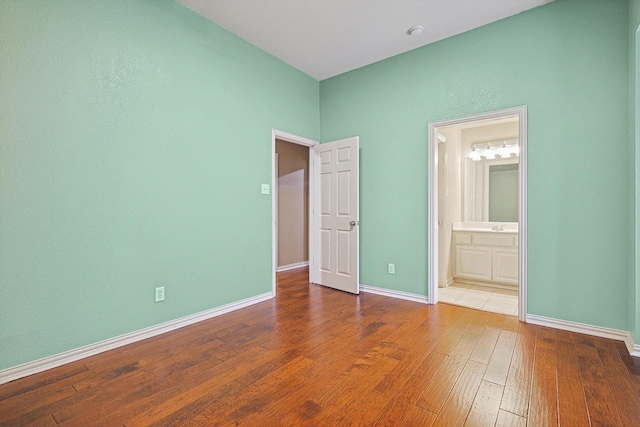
{"type": "Point", "coordinates": [477, 212]}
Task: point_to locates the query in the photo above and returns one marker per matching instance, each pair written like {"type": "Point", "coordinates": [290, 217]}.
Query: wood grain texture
{"type": "Point", "coordinates": [597, 389]}
{"type": "Point", "coordinates": [486, 405]}
{"type": "Point", "coordinates": [544, 392]}
{"type": "Point", "coordinates": [319, 357]}
{"type": "Point", "coordinates": [518, 386]}
{"type": "Point", "coordinates": [572, 406]}
{"type": "Point", "coordinates": [507, 419]}
{"type": "Point", "coordinates": [458, 403]}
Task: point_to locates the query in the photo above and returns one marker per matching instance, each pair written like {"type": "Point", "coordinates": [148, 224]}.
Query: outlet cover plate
{"type": "Point", "coordinates": [265, 189]}
{"type": "Point", "coordinates": [160, 294]}
{"type": "Point", "coordinates": [391, 269]}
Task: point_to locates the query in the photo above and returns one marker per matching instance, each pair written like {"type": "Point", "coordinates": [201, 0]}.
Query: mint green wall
{"type": "Point", "coordinates": [134, 136]}
{"type": "Point", "coordinates": [634, 178]}
{"type": "Point", "coordinates": [567, 61]}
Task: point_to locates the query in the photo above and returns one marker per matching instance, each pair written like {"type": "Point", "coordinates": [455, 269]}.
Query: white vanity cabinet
{"type": "Point", "coordinates": [486, 257]}
{"type": "Point", "coordinates": [505, 266]}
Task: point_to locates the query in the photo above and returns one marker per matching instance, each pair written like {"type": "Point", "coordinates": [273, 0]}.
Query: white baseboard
{"type": "Point", "coordinates": [394, 294]}
{"type": "Point", "coordinates": [488, 284]}
{"type": "Point", "coordinates": [292, 266]}
{"type": "Point", "coordinates": [448, 282]}
{"type": "Point", "coordinates": [582, 328]}
{"type": "Point", "coordinates": [56, 360]}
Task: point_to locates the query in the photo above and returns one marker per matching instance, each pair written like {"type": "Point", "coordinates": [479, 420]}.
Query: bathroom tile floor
{"type": "Point", "coordinates": [496, 300]}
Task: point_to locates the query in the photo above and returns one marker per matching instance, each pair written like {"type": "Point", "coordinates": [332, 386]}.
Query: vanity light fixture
{"type": "Point", "coordinates": [475, 156]}
{"type": "Point", "coordinates": [505, 151]}
{"type": "Point", "coordinates": [489, 150]}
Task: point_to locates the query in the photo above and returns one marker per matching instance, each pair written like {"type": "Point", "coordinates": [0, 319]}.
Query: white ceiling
{"type": "Point", "coordinates": [324, 38]}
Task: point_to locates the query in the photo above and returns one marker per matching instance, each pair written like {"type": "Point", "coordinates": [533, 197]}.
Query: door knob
{"type": "Point", "coordinates": [352, 224]}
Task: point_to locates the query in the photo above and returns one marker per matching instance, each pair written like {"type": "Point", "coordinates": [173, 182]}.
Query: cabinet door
{"type": "Point", "coordinates": [505, 266]}
{"type": "Point", "coordinates": [473, 262]}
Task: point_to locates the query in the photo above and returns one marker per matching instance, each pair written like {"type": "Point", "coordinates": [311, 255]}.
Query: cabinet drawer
{"type": "Point", "coordinates": [462, 239]}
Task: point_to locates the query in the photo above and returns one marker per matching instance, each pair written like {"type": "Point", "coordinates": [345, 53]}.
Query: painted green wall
{"type": "Point", "coordinates": [634, 178]}
{"type": "Point", "coordinates": [134, 136]}
{"type": "Point", "coordinates": [568, 62]}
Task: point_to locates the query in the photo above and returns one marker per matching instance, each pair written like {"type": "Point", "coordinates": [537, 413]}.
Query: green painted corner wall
{"type": "Point", "coordinates": [634, 178]}
{"type": "Point", "coordinates": [568, 62]}
{"type": "Point", "coordinates": [134, 136]}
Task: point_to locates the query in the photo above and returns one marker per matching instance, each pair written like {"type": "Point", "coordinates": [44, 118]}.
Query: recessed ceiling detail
{"type": "Point", "coordinates": [324, 38]}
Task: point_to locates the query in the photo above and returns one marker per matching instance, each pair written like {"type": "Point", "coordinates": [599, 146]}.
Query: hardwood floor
{"type": "Point", "coordinates": [319, 357]}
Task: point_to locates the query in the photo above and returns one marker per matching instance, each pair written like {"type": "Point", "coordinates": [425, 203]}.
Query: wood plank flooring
{"type": "Point", "coordinates": [318, 357]}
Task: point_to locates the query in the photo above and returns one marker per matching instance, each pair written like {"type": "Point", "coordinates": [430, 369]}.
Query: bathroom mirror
{"type": "Point", "coordinates": [503, 193]}
{"type": "Point", "coordinates": [491, 190]}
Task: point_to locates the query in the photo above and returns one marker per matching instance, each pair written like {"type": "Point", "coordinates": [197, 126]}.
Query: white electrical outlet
{"type": "Point", "coordinates": [265, 189]}
{"type": "Point", "coordinates": [160, 293]}
{"type": "Point", "coordinates": [391, 269]}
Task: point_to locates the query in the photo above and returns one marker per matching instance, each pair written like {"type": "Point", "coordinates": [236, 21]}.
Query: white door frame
{"type": "Point", "coordinates": [313, 197]}
{"type": "Point", "coordinates": [432, 261]}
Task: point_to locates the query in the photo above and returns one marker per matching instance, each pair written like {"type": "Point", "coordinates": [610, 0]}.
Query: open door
{"type": "Point", "coordinates": [335, 261]}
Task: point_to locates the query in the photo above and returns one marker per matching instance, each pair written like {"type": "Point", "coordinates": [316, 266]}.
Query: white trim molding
{"type": "Point", "coordinates": [394, 294]}
{"type": "Point", "coordinates": [60, 359]}
{"type": "Point", "coordinates": [489, 284]}
{"type": "Point", "coordinates": [432, 203]}
{"type": "Point", "coordinates": [314, 199]}
{"type": "Point", "coordinates": [293, 266]}
{"type": "Point", "coordinates": [582, 328]}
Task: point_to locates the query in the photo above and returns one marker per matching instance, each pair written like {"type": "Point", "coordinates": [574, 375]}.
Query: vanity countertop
{"type": "Point", "coordinates": [485, 230]}
{"type": "Point", "coordinates": [486, 227]}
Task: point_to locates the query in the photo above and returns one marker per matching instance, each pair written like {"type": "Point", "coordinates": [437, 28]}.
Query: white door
{"type": "Point", "coordinates": [336, 258]}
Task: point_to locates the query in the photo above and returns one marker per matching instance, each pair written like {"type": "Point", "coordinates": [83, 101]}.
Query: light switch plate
{"type": "Point", "coordinates": [265, 189]}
